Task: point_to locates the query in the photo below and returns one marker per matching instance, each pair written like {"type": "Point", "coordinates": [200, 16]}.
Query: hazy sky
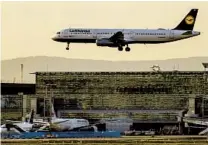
{"type": "Point", "coordinates": [27, 28]}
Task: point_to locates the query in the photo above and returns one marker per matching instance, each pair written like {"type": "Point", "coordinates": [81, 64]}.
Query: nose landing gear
{"type": "Point", "coordinates": [67, 47]}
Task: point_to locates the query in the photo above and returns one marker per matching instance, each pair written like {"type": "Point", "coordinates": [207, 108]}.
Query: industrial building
{"type": "Point", "coordinates": [154, 99]}
{"type": "Point", "coordinates": [122, 90]}
{"type": "Point", "coordinates": [146, 97]}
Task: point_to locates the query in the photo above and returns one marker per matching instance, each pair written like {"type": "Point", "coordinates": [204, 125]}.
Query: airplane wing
{"type": "Point", "coordinates": [117, 39]}
{"type": "Point", "coordinates": [9, 126]}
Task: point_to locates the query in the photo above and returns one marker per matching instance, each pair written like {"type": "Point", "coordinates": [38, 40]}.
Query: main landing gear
{"type": "Point", "coordinates": [67, 47]}
{"type": "Point", "coordinates": [120, 48]}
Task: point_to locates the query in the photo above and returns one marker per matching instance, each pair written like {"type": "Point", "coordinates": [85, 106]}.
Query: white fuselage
{"type": "Point", "coordinates": [131, 36]}
{"type": "Point", "coordinates": [69, 124]}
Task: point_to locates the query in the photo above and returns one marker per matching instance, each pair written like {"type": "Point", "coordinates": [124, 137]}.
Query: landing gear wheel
{"type": "Point", "coordinates": [127, 48]}
{"type": "Point", "coordinates": [67, 48]}
{"type": "Point", "coordinates": [120, 48]}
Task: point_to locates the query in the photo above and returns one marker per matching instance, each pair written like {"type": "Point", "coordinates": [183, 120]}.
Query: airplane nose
{"type": "Point", "coordinates": [53, 38]}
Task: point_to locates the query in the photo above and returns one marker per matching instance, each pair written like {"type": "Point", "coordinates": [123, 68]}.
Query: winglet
{"type": "Point", "coordinates": [188, 22]}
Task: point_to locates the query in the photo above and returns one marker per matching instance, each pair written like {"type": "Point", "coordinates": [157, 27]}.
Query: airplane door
{"type": "Point", "coordinates": [132, 34]}
{"type": "Point", "coordinates": [171, 34]}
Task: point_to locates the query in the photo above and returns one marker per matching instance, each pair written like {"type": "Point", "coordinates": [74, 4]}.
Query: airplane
{"type": "Point", "coordinates": [64, 124]}
{"type": "Point", "coordinates": [56, 124]}
{"type": "Point", "coordinates": [18, 126]}
{"type": "Point", "coordinates": [123, 37]}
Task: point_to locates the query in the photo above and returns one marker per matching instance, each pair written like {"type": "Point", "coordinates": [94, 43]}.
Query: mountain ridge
{"type": "Point", "coordinates": [100, 59]}
{"type": "Point", "coordinates": [10, 69]}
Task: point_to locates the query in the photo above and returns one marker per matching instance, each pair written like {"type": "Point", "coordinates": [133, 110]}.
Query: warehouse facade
{"type": "Point", "coordinates": [143, 96]}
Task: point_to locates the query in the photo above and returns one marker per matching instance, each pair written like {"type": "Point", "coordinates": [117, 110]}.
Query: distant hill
{"type": "Point", "coordinates": [11, 68]}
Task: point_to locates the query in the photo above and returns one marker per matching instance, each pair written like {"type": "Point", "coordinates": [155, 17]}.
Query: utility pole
{"type": "Point", "coordinates": [21, 73]}
{"type": "Point", "coordinates": [44, 100]}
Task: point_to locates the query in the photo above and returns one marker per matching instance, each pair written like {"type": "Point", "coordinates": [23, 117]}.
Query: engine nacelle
{"type": "Point", "coordinates": [105, 42]}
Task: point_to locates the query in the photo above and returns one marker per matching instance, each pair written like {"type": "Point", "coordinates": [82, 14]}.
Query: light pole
{"type": "Point", "coordinates": [44, 100]}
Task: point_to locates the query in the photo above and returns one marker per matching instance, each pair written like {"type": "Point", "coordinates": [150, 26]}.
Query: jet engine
{"type": "Point", "coordinates": [105, 42]}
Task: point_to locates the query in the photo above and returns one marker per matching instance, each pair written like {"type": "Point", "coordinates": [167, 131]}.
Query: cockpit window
{"type": "Point", "coordinates": [58, 33]}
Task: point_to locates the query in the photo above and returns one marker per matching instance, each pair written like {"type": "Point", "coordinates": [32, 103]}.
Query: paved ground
{"type": "Point", "coordinates": [130, 140]}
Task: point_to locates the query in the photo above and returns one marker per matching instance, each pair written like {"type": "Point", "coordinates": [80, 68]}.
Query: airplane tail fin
{"type": "Point", "coordinates": [31, 117]}
{"type": "Point", "coordinates": [53, 113]}
{"type": "Point", "coordinates": [188, 22]}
